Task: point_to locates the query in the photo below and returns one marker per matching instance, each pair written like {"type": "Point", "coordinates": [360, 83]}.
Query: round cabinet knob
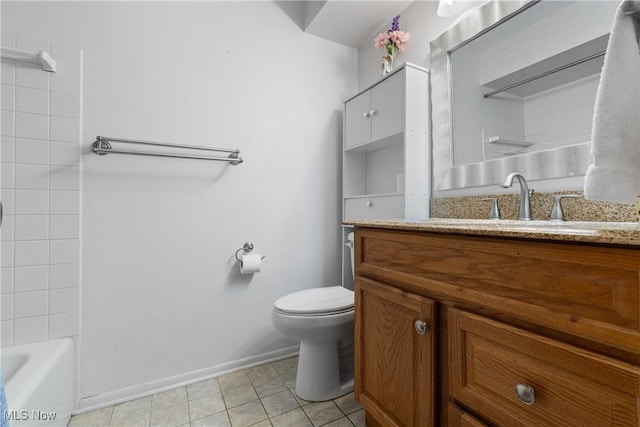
{"type": "Point", "coordinates": [367, 114]}
{"type": "Point", "coordinates": [421, 327]}
{"type": "Point", "coordinates": [373, 113]}
{"type": "Point", "coordinates": [369, 203]}
{"type": "Point", "coordinates": [526, 394]}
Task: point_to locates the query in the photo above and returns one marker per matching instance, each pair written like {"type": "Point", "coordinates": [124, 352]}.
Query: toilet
{"type": "Point", "coordinates": [322, 319]}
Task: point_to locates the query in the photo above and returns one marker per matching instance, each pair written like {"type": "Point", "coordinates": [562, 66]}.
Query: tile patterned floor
{"type": "Point", "coordinates": [261, 396]}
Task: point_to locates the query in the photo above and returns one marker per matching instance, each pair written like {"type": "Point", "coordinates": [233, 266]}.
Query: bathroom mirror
{"type": "Point", "coordinates": [513, 89]}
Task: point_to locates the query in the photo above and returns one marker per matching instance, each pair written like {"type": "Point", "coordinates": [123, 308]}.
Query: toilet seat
{"type": "Point", "coordinates": [316, 302]}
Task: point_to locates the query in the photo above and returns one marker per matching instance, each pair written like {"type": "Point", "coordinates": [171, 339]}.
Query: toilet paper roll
{"type": "Point", "coordinates": [250, 263]}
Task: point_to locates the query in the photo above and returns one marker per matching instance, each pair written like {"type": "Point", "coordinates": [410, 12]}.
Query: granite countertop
{"type": "Point", "coordinates": [614, 233]}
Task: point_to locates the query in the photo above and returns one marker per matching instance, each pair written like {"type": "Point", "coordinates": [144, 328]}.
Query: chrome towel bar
{"type": "Point", "coordinates": [102, 146]}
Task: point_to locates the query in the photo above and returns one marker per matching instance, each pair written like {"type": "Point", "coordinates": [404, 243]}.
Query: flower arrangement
{"type": "Point", "coordinates": [391, 41]}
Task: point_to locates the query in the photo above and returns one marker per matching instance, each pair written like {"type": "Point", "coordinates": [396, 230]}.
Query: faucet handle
{"type": "Point", "coordinates": [557, 214]}
{"type": "Point", "coordinates": [495, 209]}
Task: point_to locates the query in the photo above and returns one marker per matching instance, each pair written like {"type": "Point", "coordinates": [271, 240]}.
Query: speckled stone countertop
{"type": "Point", "coordinates": [610, 233]}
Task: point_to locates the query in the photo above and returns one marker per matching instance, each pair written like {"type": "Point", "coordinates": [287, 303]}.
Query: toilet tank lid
{"type": "Point", "coordinates": [316, 300]}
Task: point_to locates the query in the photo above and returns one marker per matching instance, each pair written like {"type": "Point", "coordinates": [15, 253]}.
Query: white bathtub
{"type": "Point", "coordinates": [39, 383]}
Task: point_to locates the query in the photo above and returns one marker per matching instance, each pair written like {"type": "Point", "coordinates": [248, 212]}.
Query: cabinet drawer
{"type": "Point", "coordinates": [460, 418]}
{"type": "Point", "coordinates": [571, 386]}
{"type": "Point", "coordinates": [375, 207]}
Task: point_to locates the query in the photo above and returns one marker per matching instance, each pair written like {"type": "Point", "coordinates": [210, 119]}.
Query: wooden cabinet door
{"type": "Point", "coordinates": [461, 418]}
{"type": "Point", "coordinates": [357, 120]}
{"type": "Point", "coordinates": [394, 362]}
{"type": "Point", "coordinates": [387, 106]}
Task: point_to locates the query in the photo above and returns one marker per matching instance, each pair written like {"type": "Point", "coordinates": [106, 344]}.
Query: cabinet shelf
{"type": "Point", "coordinates": [378, 144]}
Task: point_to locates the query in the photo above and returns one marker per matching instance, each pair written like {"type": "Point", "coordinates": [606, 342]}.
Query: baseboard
{"type": "Point", "coordinates": [146, 389]}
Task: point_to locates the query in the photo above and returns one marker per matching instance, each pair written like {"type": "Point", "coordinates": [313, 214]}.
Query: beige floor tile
{"type": "Point", "coordinates": [265, 423]}
{"type": "Point", "coordinates": [295, 418]}
{"type": "Point", "coordinates": [357, 418]}
{"type": "Point", "coordinates": [300, 400]}
{"type": "Point", "coordinates": [239, 395]}
{"type": "Point", "coordinates": [348, 403]}
{"type": "Point", "coordinates": [270, 386]}
{"type": "Point", "coordinates": [203, 388]}
{"type": "Point", "coordinates": [286, 365]}
{"type": "Point", "coordinates": [279, 403]}
{"type": "Point", "coordinates": [221, 419]}
{"type": "Point", "coordinates": [97, 418]}
{"type": "Point", "coordinates": [262, 373]}
{"type": "Point", "coordinates": [340, 422]}
{"type": "Point", "coordinates": [171, 416]}
{"type": "Point", "coordinates": [321, 413]}
{"type": "Point", "coordinates": [233, 380]}
{"type": "Point", "coordinates": [247, 414]}
{"type": "Point", "coordinates": [134, 413]}
{"type": "Point", "coordinates": [206, 406]}
{"type": "Point", "coordinates": [169, 398]}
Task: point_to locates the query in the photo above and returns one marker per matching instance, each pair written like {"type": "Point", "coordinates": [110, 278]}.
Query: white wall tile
{"type": "Point", "coordinates": [65, 178]}
{"type": "Point", "coordinates": [32, 202]}
{"type": "Point", "coordinates": [32, 151]}
{"type": "Point", "coordinates": [32, 177]}
{"type": "Point", "coordinates": [29, 304]}
{"type": "Point", "coordinates": [64, 300]}
{"type": "Point", "coordinates": [31, 227]}
{"type": "Point", "coordinates": [8, 200]}
{"type": "Point", "coordinates": [8, 175]}
{"type": "Point", "coordinates": [66, 81]}
{"type": "Point", "coordinates": [67, 57]}
{"type": "Point", "coordinates": [65, 202]}
{"type": "Point", "coordinates": [64, 276]}
{"type": "Point", "coordinates": [64, 129]}
{"type": "Point", "coordinates": [6, 333]}
{"type": "Point", "coordinates": [63, 325]}
{"type": "Point", "coordinates": [31, 252]}
{"type": "Point", "coordinates": [65, 154]}
{"type": "Point", "coordinates": [64, 251]}
{"type": "Point", "coordinates": [31, 75]}
{"type": "Point", "coordinates": [7, 120]}
{"type": "Point", "coordinates": [7, 229]}
{"type": "Point", "coordinates": [7, 97]}
{"type": "Point", "coordinates": [6, 307]}
{"type": "Point", "coordinates": [8, 72]}
{"type": "Point", "coordinates": [64, 226]}
{"type": "Point", "coordinates": [34, 126]}
{"type": "Point", "coordinates": [65, 105]}
{"type": "Point", "coordinates": [32, 100]}
{"type": "Point", "coordinates": [8, 149]}
{"type": "Point", "coordinates": [34, 278]}
{"type": "Point", "coordinates": [8, 256]}
{"type": "Point", "coordinates": [30, 329]}
{"type": "Point", "coordinates": [7, 280]}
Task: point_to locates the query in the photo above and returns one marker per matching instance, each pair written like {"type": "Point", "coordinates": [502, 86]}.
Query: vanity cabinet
{"type": "Point", "coordinates": [522, 332]}
{"type": "Point", "coordinates": [395, 349]}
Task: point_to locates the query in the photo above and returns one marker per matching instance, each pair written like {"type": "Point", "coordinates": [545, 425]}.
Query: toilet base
{"type": "Point", "coordinates": [318, 377]}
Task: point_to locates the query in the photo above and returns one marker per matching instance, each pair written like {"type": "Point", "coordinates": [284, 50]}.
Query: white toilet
{"type": "Point", "coordinates": [322, 319]}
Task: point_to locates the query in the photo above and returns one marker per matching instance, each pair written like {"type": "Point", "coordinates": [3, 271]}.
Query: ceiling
{"type": "Point", "coordinates": [351, 23]}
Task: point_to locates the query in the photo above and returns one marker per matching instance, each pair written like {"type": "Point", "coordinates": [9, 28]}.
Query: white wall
{"type": "Point", "coordinates": [420, 19]}
{"type": "Point", "coordinates": [162, 296]}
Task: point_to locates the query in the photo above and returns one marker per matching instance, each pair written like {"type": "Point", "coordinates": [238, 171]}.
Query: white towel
{"type": "Point", "coordinates": [614, 175]}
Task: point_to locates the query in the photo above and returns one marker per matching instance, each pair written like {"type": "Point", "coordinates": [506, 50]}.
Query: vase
{"type": "Point", "coordinates": [387, 63]}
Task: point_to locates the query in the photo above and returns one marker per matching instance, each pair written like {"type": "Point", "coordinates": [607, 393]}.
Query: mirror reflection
{"type": "Point", "coordinates": [529, 84]}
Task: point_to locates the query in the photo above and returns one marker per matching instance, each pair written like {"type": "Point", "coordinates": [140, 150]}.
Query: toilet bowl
{"type": "Point", "coordinates": [322, 319]}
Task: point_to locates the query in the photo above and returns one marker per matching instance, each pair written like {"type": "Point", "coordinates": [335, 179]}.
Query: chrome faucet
{"type": "Point", "coordinates": [525, 203]}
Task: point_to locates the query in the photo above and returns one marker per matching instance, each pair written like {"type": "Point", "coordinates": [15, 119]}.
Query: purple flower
{"type": "Point", "coordinates": [395, 25]}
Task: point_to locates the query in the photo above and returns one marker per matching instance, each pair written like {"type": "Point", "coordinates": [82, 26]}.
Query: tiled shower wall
{"type": "Point", "coordinates": [41, 183]}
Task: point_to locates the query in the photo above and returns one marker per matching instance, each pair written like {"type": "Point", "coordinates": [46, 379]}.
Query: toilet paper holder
{"type": "Point", "coordinates": [247, 247]}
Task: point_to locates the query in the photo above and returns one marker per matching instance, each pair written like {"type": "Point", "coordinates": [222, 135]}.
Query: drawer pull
{"type": "Point", "coordinates": [526, 394]}
{"type": "Point", "coordinates": [421, 327]}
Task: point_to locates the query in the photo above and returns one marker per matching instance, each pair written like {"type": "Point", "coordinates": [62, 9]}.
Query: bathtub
{"type": "Point", "coordinates": [39, 383]}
